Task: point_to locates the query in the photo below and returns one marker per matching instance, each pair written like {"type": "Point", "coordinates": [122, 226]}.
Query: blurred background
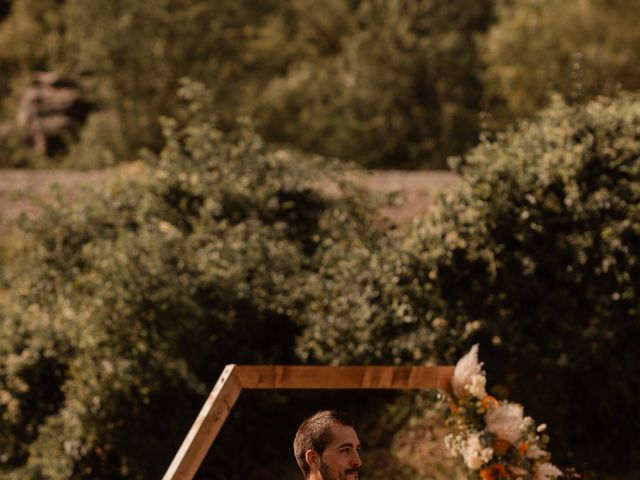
{"type": "Point", "coordinates": [304, 182]}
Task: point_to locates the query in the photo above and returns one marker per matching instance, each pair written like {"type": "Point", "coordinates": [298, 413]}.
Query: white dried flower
{"type": "Point", "coordinates": [475, 455]}
{"type": "Point", "coordinates": [454, 443]}
{"type": "Point", "coordinates": [506, 421]}
{"type": "Point", "coordinates": [466, 367]}
{"type": "Point", "coordinates": [474, 462]}
{"type": "Point", "coordinates": [451, 443]}
{"type": "Point", "coordinates": [534, 452]}
{"type": "Point", "coordinates": [519, 471]}
{"type": "Point", "coordinates": [476, 387]}
{"type": "Point", "coordinates": [545, 471]}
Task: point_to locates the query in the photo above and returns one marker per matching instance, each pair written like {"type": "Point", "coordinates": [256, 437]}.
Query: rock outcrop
{"type": "Point", "coordinates": [50, 110]}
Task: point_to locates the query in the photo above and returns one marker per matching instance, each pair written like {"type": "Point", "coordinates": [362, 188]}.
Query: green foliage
{"type": "Point", "coordinates": [580, 49]}
{"type": "Point", "coordinates": [137, 51]}
{"type": "Point", "coordinates": [397, 83]}
{"type": "Point", "coordinates": [15, 151]}
{"type": "Point", "coordinates": [399, 90]}
{"type": "Point", "coordinates": [380, 83]}
{"type": "Point", "coordinates": [102, 143]}
{"type": "Point", "coordinates": [365, 315]}
{"type": "Point", "coordinates": [535, 257]}
{"type": "Point", "coordinates": [29, 35]}
{"type": "Point", "coordinates": [133, 301]}
{"type": "Point", "coordinates": [377, 83]}
{"type": "Point", "coordinates": [132, 53]}
{"type": "Point", "coordinates": [27, 31]}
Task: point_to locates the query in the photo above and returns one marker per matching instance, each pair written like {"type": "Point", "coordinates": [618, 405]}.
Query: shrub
{"type": "Point", "coordinates": [131, 304]}
{"type": "Point", "coordinates": [535, 257]}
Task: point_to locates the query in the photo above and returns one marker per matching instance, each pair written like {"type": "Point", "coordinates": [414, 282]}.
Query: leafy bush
{"type": "Point", "coordinates": [535, 257]}
{"type": "Point", "coordinates": [129, 305]}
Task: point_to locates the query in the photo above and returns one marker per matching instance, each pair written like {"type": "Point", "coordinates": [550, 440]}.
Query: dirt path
{"type": "Point", "coordinates": [414, 190]}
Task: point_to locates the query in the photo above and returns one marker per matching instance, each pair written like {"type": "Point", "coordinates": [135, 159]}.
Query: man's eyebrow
{"type": "Point", "coordinates": [348, 444]}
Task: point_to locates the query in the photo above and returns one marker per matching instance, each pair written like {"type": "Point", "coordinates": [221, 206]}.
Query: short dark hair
{"type": "Point", "coordinates": [314, 433]}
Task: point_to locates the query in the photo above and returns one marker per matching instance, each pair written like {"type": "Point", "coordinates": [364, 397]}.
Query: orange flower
{"type": "Point", "coordinates": [496, 471]}
{"type": "Point", "coordinates": [500, 470]}
{"type": "Point", "coordinates": [490, 402]}
{"type": "Point", "coordinates": [522, 449]}
{"type": "Point", "coordinates": [486, 474]}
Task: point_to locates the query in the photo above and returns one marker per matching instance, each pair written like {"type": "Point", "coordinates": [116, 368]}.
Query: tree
{"type": "Point", "coordinates": [580, 49]}
{"type": "Point", "coordinates": [136, 52]}
{"type": "Point", "coordinates": [400, 90]}
{"type": "Point", "coordinates": [390, 84]}
{"type": "Point", "coordinates": [29, 32]}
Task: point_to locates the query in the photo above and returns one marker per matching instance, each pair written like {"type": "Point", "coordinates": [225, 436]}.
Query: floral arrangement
{"type": "Point", "coordinates": [494, 438]}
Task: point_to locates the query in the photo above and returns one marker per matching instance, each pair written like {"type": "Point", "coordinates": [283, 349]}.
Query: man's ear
{"type": "Point", "coordinates": [312, 458]}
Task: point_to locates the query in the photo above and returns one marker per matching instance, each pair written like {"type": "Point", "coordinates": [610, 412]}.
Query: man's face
{"type": "Point", "coordinates": [341, 459]}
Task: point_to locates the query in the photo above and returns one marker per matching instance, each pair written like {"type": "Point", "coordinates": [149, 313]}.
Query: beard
{"type": "Point", "coordinates": [326, 473]}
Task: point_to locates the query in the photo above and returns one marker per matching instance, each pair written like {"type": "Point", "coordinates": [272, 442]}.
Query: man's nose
{"type": "Point", "coordinates": [356, 461]}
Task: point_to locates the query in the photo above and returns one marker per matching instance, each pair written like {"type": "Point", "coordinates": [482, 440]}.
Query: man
{"type": "Point", "coordinates": [326, 447]}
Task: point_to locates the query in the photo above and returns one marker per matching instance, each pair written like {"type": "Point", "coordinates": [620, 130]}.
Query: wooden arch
{"type": "Point", "coordinates": [236, 377]}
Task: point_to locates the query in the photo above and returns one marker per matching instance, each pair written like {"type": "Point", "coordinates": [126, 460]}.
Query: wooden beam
{"type": "Point", "coordinates": [341, 377]}
{"type": "Point", "coordinates": [236, 377]}
{"type": "Point", "coordinates": [206, 427]}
